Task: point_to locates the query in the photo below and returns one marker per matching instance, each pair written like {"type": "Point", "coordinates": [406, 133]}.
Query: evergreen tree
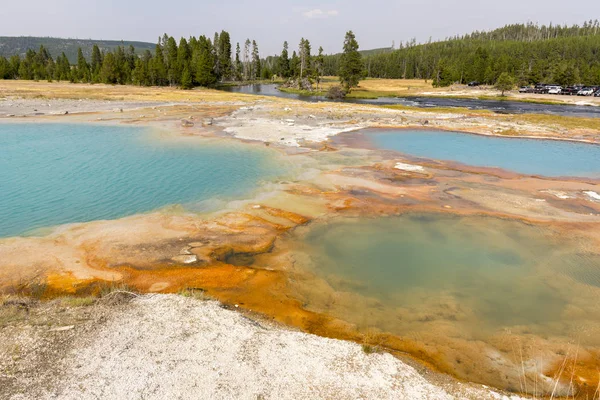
{"type": "Point", "coordinates": [255, 61]}
{"type": "Point", "coordinates": [294, 65]}
{"type": "Point", "coordinates": [184, 55]}
{"type": "Point", "coordinates": [239, 67]}
{"type": "Point", "coordinates": [110, 71]}
{"type": "Point", "coordinates": [351, 66]}
{"type": "Point", "coordinates": [139, 74]}
{"type": "Point", "coordinates": [186, 79]}
{"type": "Point", "coordinates": [63, 68]}
{"type": "Point", "coordinates": [5, 72]}
{"type": "Point", "coordinates": [319, 65]}
{"type": "Point", "coordinates": [304, 54]}
{"type": "Point", "coordinates": [96, 63]}
{"type": "Point", "coordinates": [225, 55]}
{"type": "Point", "coordinates": [83, 70]}
{"type": "Point", "coordinates": [284, 62]}
{"type": "Point", "coordinates": [504, 83]}
{"type": "Point", "coordinates": [158, 70]}
{"type": "Point", "coordinates": [216, 55]}
{"type": "Point", "coordinates": [246, 60]}
{"type": "Point", "coordinates": [15, 63]}
{"type": "Point", "coordinates": [172, 63]}
{"type": "Point", "coordinates": [205, 74]}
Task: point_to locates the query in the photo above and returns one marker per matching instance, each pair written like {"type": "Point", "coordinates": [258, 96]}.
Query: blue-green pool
{"type": "Point", "coordinates": [528, 156]}
{"type": "Point", "coordinates": [53, 174]}
{"type": "Point", "coordinates": [465, 288]}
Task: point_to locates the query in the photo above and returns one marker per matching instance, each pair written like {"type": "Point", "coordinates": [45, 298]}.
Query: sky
{"type": "Point", "coordinates": [376, 23]}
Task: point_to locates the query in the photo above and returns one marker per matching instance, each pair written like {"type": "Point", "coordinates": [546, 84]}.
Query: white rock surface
{"type": "Point", "coordinates": [173, 347]}
{"type": "Point", "coordinates": [592, 195]}
{"type": "Point", "coordinates": [409, 167]}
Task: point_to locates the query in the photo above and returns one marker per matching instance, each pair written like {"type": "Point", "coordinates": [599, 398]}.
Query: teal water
{"type": "Point", "coordinates": [53, 174]}
{"type": "Point", "coordinates": [497, 273]}
{"type": "Point", "coordinates": [527, 156]}
{"type": "Point", "coordinates": [468, 290]}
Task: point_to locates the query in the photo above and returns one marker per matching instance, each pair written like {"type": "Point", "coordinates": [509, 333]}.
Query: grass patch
{"type": "Point", "coordinates": [195, 293]}
{"type": "Point", "coordinates": [14, 309]}
{"type": "Point", "coordinates": [437, 110]}
{"type": "Point", "coordinates": [556, 120]}
{"type": "Point", "coordinates": [371, 343]}
{"type": "Point", "coordinates": [520, 100]}
{"type": "Point", "coordinates": [368, 349]}
{"type": "Point", "coordinates": [77, 301]}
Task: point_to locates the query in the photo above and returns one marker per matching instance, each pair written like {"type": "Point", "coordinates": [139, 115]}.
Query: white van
{"type": "Point", "coordinates": [554, 89]}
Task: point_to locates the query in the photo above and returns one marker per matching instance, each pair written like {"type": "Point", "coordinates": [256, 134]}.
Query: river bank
{"type": "Point", "coordinates": [238, 255]}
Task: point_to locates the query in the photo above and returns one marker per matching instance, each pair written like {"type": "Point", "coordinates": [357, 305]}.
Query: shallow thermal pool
{"type": "Point", "coordinates": [457, 285]}
{"type": "Point", "coordinates": [53, 174]}
{"type": "Point", "coordinates": [528, 156]}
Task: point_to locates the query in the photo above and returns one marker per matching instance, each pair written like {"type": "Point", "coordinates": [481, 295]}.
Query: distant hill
{"type": "Point", "coordinates": [19, 45]}
{"type": "Point", "coordinates": [372, 52]}
{"type": "Point", "coordinates": [529, 53]}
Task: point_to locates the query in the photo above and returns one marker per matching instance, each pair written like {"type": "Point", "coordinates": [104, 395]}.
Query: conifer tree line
{"type": "Point", "coordinates": [191, 62]}
{"type": "Point", "coordinates": [301, 64]}
{"type": "Point", "coordinates": [529, 53]}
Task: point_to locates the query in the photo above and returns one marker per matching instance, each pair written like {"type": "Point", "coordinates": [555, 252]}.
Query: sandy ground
{"type": "Point", "coordinates": [174, 347]}
{"type": "Point", "coordinates": [16, 107]}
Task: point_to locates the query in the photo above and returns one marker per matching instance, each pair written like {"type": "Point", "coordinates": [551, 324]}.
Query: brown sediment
{"type": "Point", "coordinates": [579, 370]}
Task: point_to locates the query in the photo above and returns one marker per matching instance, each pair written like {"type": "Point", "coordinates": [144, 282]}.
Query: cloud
{"type": "Point", "coordinates": [318, 13]}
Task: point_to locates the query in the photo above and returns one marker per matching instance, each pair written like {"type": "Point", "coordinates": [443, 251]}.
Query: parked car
{"type": "Point", "coordinates": [597, 94]}
{"type": "Point", "coordinates": [540, 88]}
{"type": "Point", "coordinates": [525, 89]}
{"type": "Point", "coordinates": [571, 90]}
{"type": "Point", "coordinates": [586, 91]}
{"type": "Point", "coordinates": [473, 83]}
{"type": "Point", "coordinates": [554, 89]}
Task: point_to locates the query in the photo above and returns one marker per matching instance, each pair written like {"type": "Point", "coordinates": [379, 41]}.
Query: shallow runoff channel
{"type": "Point", "coordinates": [498, 106]}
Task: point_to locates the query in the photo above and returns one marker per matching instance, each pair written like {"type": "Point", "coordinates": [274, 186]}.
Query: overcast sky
{"type": "Point", "coordinates": [376, 23]}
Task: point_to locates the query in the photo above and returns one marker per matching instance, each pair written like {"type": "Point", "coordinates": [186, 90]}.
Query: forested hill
{"type": "Point", "coordinates": [55, 46]}
{"type": "Point", "coordinates": [530, 53]}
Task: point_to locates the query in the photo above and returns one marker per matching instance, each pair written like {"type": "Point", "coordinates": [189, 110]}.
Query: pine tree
{"type": "Point", "coordinates": [205, 74]}
{"type": "Point", "coordinates": [246, 60]}
{"type": "Point", "coordinates": [158, 71]}
{"type": "Point", "coordinates": [216, 55]}
{"type": "Point", "coordinates": [284, 62]}
{"type": "Point", "coordinates": [186, 79]}
{"type": "Point", "coordinates": [96, 62]}
{"type": "Point", "coordinates": [304, 54]}
{"type": "Point", "coordinates": [225, 55]}
{"type": "Point", "coordinates": [184, 55]}
{"type": "Point", "coordinates": [294, 65]}
{"type": "Point", "coordinates": [319, 65]}
{"type": "Point", "coordinates": [110, 71]}
{"type": "Point", "coordinates": [239, 67]}
{"type": "Point", "coordinates": [140, 73]}
{"type": "Point", "coordinates": [255, 61]}
{"type": "Point", "coordinates": [504, 83]}
{"type": "Point", "coordinates": [171, 54]}
{"type": "Point", "coordinates": [83, 70]}
{"type": "Point", "coordinates": [4, 68]}
{"type": "Point", "coordinates": [351, 66]}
